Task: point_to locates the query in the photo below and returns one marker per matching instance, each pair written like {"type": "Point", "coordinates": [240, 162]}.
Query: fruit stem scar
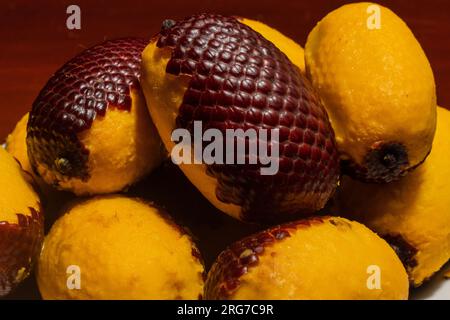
{"type": "Point", "coordinates": [167, 24]}
{"type": "Point", "coordinates": [63, 165]}
{"type": "Point", "coordinates": [389, 160]}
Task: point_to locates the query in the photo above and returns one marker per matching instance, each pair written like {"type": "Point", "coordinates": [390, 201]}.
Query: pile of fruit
{"type": "Point", "coordinates": [359, 208]}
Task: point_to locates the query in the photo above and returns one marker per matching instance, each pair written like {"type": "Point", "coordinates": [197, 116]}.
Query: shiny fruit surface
{"type": "Point", "coordinates": [289, 47]}
{"type": "Point", "coordinates": [319, 258]}
{"type": "Point", "coordinates": [89, 130]}
{"type": "Point", "coordinates": [219, 72]}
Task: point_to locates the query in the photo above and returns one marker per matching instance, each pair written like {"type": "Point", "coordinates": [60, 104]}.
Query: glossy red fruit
{"type": "Point", "coordinates": [74, 100]}
{"type": "Point", "coordinates": [21, 223]}
{"type": "Point", "coordinates": [224, 277]}
{"type": "Point", "coordinates": [240, 80]}
{"type": "Point", "coordinates": [82, 89]}
{"type": "Point", "coordinates": [20, 245]}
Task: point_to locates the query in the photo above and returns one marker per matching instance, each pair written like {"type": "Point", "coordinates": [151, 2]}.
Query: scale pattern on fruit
{"type": "Point", "coordinates": [300, 259]}
{"type": "Point", "coordinates": [83, 89]}
{"type": "Point", "coordinates": [239, 80]}
{"type": "Point", "coordinates": [237, 259]}
{"type": "Point", "coordinates": [21, 223]}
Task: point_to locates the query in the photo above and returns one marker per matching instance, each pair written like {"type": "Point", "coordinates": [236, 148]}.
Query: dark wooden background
{"type": "Point", "coordinates": [34, 42]}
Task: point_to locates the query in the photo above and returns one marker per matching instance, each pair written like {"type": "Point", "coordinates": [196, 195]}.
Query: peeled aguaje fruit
{"type": "Point", "coordinates": [378, 88]}
{"type": "Point", "coordinates": [21, 224]}
{"type": "Point", "coordinates": [89, 130]}
{"type": "Point", "coordinates": [318, 258]}
{"type": "Point", "coordinates": [219, 72]}
{"type": "Point", "coordinates": [413, 214]}
{"type": "Point", "coordinates": [113, 247]}
{"type": "Point", "coordinates": [16, 143]}
{"type": "Point", "coordinates": [289, 47]}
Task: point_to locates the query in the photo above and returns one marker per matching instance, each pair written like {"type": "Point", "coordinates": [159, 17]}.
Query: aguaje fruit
{"type": "Point", "coordinates": [113, 247]}
{"type": "Point", "coordinates": [289, 47]}
{"type": "Point", "coordinates": [16, 143]}
{"type": "Point", "coordinates": [89, 130]}
{"type": "Point", "coordinates": [413, 214]}
{"type": "Point", "coordinates": [218, 72]}
{"type": "Point", "coordinates": [318, 258]}
{"type": "Point", "coordinates": [378, 88]}
{"type": "Point", "coordinates": [21, 223]}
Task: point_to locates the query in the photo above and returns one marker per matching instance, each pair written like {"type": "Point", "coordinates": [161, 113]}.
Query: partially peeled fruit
{"type": "Point", "coordinates": [16, 143]}
{"type": "Point", "coordinates": [289, 47]}
{"type": "Point", "coordinates": [319, 258]}
{"type": "Point", "coordinates": [21, 224]}
{"type": "Point", "coordinates": [89, 130]}
{"type": "Point", "coordinates": [223, 74]}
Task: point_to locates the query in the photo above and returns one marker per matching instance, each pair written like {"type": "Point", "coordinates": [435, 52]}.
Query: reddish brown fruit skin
{"type": "Point", "coordinates": [239, 80]}
{"type": "Point", "coordinates": [18, 244]}
{"type": "Point", "coordinates": [83, 89]}
{"type": "Point", "coordinates": [405, 251]}
{"type": "Point", "coordinates": [224, 276]}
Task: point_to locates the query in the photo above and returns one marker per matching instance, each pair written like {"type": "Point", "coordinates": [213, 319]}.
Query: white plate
{"type": "Point", "coordinates": [438, 288]}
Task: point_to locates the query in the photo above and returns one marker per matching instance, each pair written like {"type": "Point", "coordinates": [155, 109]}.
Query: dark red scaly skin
{"type": "Point", "coordinates": [84, 88]}
{"type": "Point", "coordinates": [20, 245]}
{"type": "Point", "coordinates": [239, 80]}
{"type": "Point", "coordinates": [224, 277]}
